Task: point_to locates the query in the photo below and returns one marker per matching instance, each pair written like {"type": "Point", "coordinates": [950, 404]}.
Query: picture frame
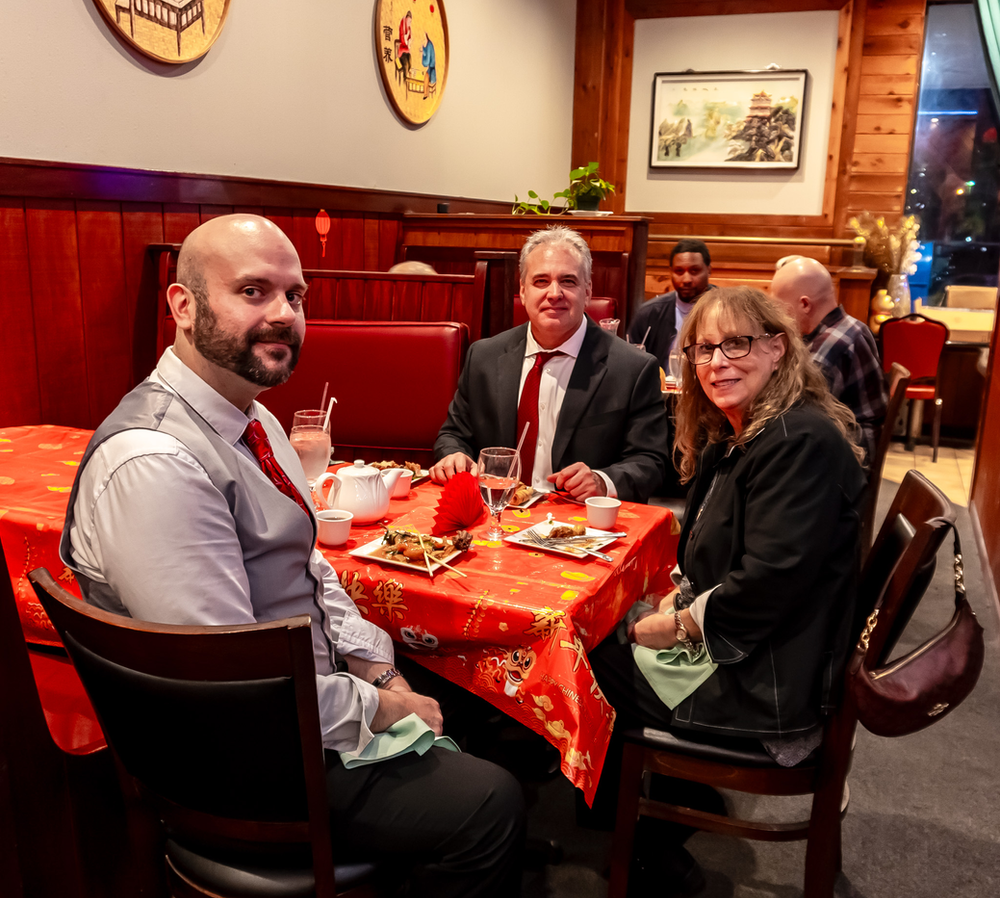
{"type": "Point", "coordinates": [171, 31]}
{"type": "Point", "coordinates": [413, 55]}
{"type": "Point", "coordinates": [729, 120]}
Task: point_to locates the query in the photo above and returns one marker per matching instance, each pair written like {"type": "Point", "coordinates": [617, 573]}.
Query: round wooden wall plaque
{"type": "Point", "coordinates": [411, 43]}
{"type": "Point", "coordinates": [172, 31]}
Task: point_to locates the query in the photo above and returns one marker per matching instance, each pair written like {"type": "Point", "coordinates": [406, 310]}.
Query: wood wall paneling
{"type": "Point", "coordinates": [20, 396]}
{"type": "Point", "coordinates": [142, 224]}
{"type": "Point", "coordinates": [986, 475]}
{"type": "Point", "coordinates": [57, 305]}
{"type": "Point", "coordinates": [105, 304]}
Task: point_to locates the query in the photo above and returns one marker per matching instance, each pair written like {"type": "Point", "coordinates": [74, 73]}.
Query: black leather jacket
{"type": "Point", "coordinates": [778, 537]}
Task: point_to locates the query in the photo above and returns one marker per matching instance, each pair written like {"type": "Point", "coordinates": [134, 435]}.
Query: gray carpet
{"type": "Point", "coordinates": [924, 816]}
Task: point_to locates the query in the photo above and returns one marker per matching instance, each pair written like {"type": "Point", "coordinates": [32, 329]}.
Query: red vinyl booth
{"type": "Point", "coordinates": [393, 381]}
{"type": "Point", "coordinates": [599, 307]}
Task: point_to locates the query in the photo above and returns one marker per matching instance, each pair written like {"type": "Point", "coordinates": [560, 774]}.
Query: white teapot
{"type": "Point", "coordinates": [360, 489]}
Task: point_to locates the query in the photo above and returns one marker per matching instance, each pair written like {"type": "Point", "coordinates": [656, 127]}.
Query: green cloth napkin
{"type": "Point", "coordinates": [674, 673]}
{"type": "Point", "coordinates": [408, 734]}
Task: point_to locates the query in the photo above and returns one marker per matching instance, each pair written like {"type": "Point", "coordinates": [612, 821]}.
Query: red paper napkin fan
{"type": "Point", "coordinates": [460, 506]}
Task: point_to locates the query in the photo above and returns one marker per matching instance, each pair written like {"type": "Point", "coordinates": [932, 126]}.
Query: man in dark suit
{"type": "Point", "coordinates": [658, 321]}
{"type": "Point", "coordinates": [590, 402]}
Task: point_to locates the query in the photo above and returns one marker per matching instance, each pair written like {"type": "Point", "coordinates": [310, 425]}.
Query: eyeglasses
{"type": "Point", "coordinates": [733, 348]}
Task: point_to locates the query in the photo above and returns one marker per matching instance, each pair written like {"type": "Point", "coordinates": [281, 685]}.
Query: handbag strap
{"type": "Point", "coordinates": [959, 578]}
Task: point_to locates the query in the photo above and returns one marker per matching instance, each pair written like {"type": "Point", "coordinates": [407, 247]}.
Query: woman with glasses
{"type": "Point", "coordinates": [758, 625]}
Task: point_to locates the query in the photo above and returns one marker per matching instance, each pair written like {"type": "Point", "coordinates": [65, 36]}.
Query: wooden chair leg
{"type": "Point", "coordinates": [823, 849]}
{"type": "Point", "coordinates": [936, 427]}
{"type": "Point", "coordinates": [623, 843]}
{"type": "Point", "coordinates": [911, 436]}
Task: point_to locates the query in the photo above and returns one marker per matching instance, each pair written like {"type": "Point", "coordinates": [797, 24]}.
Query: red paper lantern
{"type": "Point", "coordinates": [322, 227]}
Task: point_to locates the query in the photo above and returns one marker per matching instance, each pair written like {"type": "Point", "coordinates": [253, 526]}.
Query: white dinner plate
{"type": "Point", "coordinates": [537, 496]}
{"type": "Point", "coordinates": [543, 528]}
{"type": "Point", "coordinates": [366, 550]}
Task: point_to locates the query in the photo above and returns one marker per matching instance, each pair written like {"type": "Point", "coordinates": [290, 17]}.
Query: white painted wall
{"type": "Point", "coordinates": [291, 92]}
{"type": "Point", "coordinates": [795, 40]}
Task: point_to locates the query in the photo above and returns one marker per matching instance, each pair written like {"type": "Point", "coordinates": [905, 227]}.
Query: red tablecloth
{"type": "Point", "coordinates": [37, 467]}
{"type": "Point", "coordinates": [515, 630]}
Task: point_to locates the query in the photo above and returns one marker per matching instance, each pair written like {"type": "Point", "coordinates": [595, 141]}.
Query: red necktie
{"type": "Point", "coordinates": [527, 413]}
{"type": "Point", "coordinates": [260, 446]}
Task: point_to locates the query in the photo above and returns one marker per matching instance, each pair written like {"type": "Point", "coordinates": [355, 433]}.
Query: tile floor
{"type": "Point", "coordinates": [952, 473]}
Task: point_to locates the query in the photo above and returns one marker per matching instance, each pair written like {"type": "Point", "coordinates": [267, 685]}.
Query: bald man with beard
{"type": "Point", "coordinates": [842, 346]}
{"type": "Point", "coordinates": [174, 518]}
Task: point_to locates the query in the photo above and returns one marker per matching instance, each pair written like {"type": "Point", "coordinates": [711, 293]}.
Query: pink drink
{"type": "Point", "coordinates": [312, 445]}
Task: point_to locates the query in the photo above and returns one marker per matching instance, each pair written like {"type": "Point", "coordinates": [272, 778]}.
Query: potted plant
{"type": "Point", "coordinates": [585, 190]}
{"type": "Point", "coordinates": [585, 193]}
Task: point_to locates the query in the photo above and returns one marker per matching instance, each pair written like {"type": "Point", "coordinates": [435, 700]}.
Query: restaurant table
{"type": "Point", "coordinates": [515, 630]}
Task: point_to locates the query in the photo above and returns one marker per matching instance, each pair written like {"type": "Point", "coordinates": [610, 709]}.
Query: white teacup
{"type": "Point", "coordinates": [334, 526]}
{"type": "Point", "coordinates": [602, 512]}
{"type": "Point", "coordinates": [402, 488]}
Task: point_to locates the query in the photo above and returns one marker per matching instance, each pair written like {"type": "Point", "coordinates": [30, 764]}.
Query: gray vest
{"type": "Point", "coordinates": [277, 538]}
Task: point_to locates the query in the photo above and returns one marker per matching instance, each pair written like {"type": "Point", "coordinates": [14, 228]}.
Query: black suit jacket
{"type": "Point", "coordinates": [612, 417]}
{"type": "Point", "coordinates": [658, 315]}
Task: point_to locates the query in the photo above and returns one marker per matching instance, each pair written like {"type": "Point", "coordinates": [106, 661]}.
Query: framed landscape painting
{"type": "Point", "coordinates": [727, 120]}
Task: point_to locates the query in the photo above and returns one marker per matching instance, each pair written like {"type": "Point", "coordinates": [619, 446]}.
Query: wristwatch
{"type": "Point", "coordinates": [681, 633]}
{"type": "Point", "coordinates": [384, 677]}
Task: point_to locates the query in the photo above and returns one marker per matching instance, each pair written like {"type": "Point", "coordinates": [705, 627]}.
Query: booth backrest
{"type": "Point", "coordinates": [359, 295]}
{"type": "Point", "coordinates": [393, 381]}
{"type": "Point", "coordinates": [599, 307]}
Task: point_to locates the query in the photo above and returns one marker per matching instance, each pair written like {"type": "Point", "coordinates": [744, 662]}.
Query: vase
{"type": "Point", "coordinates": [898, 289]}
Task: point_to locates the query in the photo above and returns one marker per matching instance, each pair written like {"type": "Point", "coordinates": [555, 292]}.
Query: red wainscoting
{"type": "Point", "coordinates": [78, 295]}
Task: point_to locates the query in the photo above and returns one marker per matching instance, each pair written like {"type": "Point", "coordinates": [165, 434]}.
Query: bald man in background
{"type": "Point", "coordinates": [842, 346]}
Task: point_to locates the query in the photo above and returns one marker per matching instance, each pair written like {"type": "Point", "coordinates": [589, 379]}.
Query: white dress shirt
{"type": "Point", "coordinates": [552, 385]}
{"type": "Point", "coordinates": [150, 523]}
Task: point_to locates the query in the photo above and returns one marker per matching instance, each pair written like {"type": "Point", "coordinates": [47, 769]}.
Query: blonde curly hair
{"type": "Point", "coordinates": [745, 310]}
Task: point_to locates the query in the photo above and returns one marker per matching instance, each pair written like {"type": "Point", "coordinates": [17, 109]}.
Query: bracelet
{"type": "Point", "coordinates": [384, 677]}
{"type": "Point", "coordinates": [681, 633]}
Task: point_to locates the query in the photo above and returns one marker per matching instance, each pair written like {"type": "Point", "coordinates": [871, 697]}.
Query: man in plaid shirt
{"type": "Point", "coordinates": [842, 346]}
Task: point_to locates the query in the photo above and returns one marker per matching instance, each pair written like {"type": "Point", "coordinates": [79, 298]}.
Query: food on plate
{"type": "Point", "coordinates": [414, 548]}
{"type": "Point", "coordinates": [563, 531]}
{"type": "Point", "coordinates": [409, 465]}
{"type": "Point", "coordinates": [521, 495]}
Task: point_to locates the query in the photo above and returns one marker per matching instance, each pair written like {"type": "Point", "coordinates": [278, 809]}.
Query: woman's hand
{"type": "Point", "coordinates": [657, 630]}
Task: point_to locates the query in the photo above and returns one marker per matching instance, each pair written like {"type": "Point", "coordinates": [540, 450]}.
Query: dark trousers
{"type": "Point", "coordinates": [457, 819]}
{"type": "Point", "coordinates": [637, 705]}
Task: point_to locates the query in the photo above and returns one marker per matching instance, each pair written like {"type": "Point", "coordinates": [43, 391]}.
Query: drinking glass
{"type": "Point", "coordinates": [499, 472]}
{"type": "Point", "coordinates": [610, 324]}
{"type": "Point", "coordinates": [311, 442]}
{"type": "Point", "coordinates": [675, 363]}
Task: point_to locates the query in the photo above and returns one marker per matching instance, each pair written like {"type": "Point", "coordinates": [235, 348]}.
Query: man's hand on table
{"type": "Point", "coordinates": [579, 481]}
{"type": "Point", "coordinates": [450, 465]}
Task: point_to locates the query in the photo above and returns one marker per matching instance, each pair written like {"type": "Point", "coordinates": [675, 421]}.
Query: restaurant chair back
{"type": "Point", "coordinates": [216, 732]}
{"type": "Point", "coordinates": [899, 567]}
{"type": "Point", "coordinates": [899, 380]}
{"type": "Point", "coordinates": [58, 792]}
{"type": "Point", "coordinates": [916, 343]}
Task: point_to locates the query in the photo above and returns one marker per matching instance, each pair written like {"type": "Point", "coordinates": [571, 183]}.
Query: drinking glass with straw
{"type": "Point", "coordinates": [310, 438]}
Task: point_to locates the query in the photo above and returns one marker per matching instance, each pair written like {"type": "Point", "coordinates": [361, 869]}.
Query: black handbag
{"type": "Point", "coordinates": [924, 685]}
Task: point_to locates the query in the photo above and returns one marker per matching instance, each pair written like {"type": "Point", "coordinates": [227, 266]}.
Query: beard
{"type": "Point", "coordinates": [236, 353]}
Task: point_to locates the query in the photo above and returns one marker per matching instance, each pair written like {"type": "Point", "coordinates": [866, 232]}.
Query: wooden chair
{"type": "Point", "coordinates": [899, 380]}
{"type": "Point", "coordinates": [216, 731]}
{"type": "Point", "coordinates": [62, 819]}
{"type": "Point", "coordinates": [916, 342]}
{"type": "Point", "coordinates": [899, 566]}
